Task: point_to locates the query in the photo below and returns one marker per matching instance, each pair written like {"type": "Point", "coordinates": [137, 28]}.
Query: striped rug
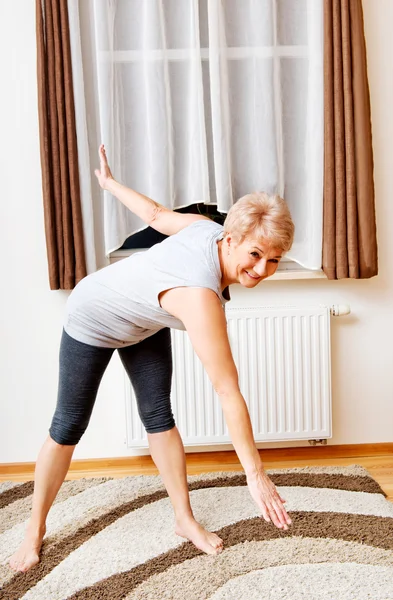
{"type": "Point", "coordinates": [113, 538]}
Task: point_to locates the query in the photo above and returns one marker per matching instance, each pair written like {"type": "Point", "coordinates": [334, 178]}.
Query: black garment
{"type": "Point", "coordinates": [148, 365]}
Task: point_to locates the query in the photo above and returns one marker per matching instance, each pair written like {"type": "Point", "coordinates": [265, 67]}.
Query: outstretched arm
{"type": "Point", "coordinates": [201, 312]}
{"type": "Point", "coordinates": [159, 217]}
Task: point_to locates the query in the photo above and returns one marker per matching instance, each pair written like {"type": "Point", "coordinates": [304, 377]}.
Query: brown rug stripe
{"type": "Point", "coordinates": [363, 529]}
{"type": "Point", "coordinates": [16, 493]}
{"type": "Point", "coordinates": [50, 558]}
{"type": "Point", "coordinates": [337, 482]}
{"type": "Point", "coordinates": [349, 483]}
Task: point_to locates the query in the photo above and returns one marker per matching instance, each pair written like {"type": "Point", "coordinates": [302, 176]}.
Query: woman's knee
{"type": "Point", "coordinates": [65, 434]}
{"type": "Point", "coordinates": [157, 421]}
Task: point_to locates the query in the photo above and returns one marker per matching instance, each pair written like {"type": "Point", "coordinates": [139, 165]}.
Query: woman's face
{"type": "Point", "coordinates": [251, 261]}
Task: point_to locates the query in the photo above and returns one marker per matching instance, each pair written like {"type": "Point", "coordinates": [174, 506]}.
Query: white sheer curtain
{"type": "Point", "coordinates": [84, 76]}
{"type": "Point", "coordinates": [82, 137]}
{"type": "Point", "coordinates": [207, 100]}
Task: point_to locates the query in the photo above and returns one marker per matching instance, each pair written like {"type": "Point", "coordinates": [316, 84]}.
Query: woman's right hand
{"type": "Point", "coordinates": [103, 174]}
{"type": "Point", "coordinates": [265, 494]}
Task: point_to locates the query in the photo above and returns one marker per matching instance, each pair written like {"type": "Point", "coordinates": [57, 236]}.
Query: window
{"type": "Point", "coordinates": [203, 101]}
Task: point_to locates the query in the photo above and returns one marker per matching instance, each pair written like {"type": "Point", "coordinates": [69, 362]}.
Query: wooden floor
{"type": "Point", "coordinates": [376, 458]}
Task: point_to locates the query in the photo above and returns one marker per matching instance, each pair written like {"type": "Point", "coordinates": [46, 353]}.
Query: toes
{"type": "Point", "coordinates": [19, 566]}
{"type": "Point", "coordinates": [217, 543]}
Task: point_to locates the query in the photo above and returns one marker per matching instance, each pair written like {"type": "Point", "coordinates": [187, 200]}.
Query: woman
{"type": "Point", "coordinates": [130, 306]}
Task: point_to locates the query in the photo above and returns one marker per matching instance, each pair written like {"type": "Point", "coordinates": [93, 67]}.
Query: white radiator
{"type": "Point", "coordinates": [283, 359]}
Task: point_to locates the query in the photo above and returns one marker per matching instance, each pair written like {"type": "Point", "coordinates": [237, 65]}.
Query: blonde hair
{"type": "Point", "coordinates": [262, 216]}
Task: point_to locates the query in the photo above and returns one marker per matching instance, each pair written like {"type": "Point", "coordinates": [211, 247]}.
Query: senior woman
{"type": "Point", "coordinates": [129, 306]}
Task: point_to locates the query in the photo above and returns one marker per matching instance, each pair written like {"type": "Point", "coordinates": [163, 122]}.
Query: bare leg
{"type": "Point", "coordinates": [51, 468]}
{"type": "Point", "coordinates": [168, 454]}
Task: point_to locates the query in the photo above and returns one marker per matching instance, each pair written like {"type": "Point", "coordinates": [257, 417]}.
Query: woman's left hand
{"type": "Point", "coordinates": [103, 174]}
{"type": "Point", "coordinates": [266, 496]}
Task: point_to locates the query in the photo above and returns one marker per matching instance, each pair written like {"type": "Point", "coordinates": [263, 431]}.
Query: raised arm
{"type": "Point", "coordinates": [155, 215]}
{"type": "Point", "coordinates": [201, 312]}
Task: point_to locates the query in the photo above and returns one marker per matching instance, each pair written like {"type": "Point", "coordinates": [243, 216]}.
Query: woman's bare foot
{"type": "Point", "coordinates": [28, 552]}
{"type": "Point", "coordinates": [201, 538]}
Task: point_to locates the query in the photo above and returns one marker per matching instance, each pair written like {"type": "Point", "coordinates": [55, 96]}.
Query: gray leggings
{"type": "Point", "coordinates": [148, 365]}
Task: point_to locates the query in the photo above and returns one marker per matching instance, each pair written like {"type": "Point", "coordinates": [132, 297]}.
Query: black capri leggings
{"type": "Point", "coordinates": [148, 365]}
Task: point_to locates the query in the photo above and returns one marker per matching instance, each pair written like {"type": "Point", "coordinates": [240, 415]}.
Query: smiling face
{"type": "Point", "coordinates": [250, 261]}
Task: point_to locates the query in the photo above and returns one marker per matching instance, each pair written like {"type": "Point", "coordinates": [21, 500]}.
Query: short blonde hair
{"type": "Point", "coordinates": [263, 217]}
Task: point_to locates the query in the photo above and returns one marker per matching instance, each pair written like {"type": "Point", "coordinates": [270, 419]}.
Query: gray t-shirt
{"type": "Point", "coordinates": [118, 305]}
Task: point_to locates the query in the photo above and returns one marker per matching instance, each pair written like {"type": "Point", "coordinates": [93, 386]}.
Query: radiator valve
{"type": "Point", "coordinates": [315, 442]}
{"type": "Point", "coordinates": [338, 310]}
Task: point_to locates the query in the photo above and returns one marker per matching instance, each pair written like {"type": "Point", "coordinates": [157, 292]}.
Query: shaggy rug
{"type": "Point", "coordinates": [113, 538]}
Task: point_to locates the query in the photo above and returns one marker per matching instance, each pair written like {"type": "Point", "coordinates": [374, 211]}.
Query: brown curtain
{"type": "Point", "coordinates": [59, 156]}
{"type": "Point", "coordinates": [349, 229]}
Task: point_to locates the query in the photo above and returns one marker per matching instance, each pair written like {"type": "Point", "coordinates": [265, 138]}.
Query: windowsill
{"type": "Point", "coordinates": [287, 270]}
{"type": "Point", "coordinates": [300, 273]}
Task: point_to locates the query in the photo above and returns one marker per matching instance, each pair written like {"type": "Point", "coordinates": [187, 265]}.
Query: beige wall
{"type": "Point", "coordinates": [31, 315]}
